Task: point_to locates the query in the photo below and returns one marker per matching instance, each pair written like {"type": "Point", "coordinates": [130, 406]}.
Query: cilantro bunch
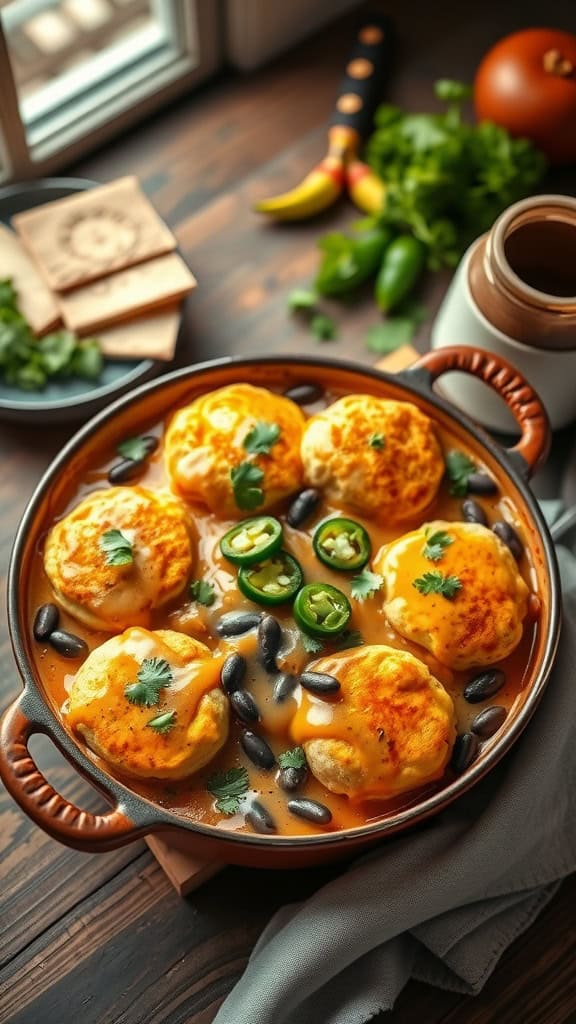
{"type": "Point", "coordinates": [447, 181]}
{"type": "Point", "coordinates": [27, 362]}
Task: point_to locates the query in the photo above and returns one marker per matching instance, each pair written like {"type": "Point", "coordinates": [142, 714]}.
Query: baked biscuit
{"type": "Point", "coordinates": [113, 596]}
{"type": "Point", "coordinates": [390, 729]}
{"type": "Point", "coordinates": [120, 731]}
{"type": "Point", "coordinates": [379, 457]}
{"type": "Point", "coordinates": [481, 623]}
{"type": "Point", "coordinates": [206, 440]}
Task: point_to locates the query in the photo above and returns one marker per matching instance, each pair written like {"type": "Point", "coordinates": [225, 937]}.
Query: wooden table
{"type": "Point", "coordinates": [104, 939]}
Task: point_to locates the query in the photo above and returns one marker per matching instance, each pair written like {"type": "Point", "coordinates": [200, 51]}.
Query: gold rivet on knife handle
{"type": "Point", "coordinates": [360, 68]}
{"type": "Point", "coordinates": [370, 35]}
{"type": "Point", "coordinates": [349, 103]}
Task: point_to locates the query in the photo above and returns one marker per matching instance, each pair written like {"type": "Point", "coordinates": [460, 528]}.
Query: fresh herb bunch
{"type": "Point", "coordinates": [446, 180]}
{"type": "Point", "coordinates": [27, 362]}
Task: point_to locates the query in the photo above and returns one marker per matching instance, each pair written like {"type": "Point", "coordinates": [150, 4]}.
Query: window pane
{"type": "Point", "coordinates": [72, 58]}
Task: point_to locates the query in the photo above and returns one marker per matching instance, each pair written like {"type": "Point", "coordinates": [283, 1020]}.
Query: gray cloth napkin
{"type": "Point", "coordinates": [442, 904]}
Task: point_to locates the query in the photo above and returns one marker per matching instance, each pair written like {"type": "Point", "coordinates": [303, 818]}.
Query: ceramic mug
{"type": "Point", "coordinates": [514, 294]}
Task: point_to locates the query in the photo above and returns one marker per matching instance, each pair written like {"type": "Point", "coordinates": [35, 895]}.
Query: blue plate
{"type": "Point", "coordinates": [69, 398]}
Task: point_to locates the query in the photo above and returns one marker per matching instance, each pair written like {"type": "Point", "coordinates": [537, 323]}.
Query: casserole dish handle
{"type": "Point", "coordinates": [523, 402]}
{"type": "Point", "coordinates": [49, 810]}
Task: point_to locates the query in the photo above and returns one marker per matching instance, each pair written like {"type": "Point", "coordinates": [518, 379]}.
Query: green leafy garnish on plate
{"type": "Point", "coordinates": [459, 469]}
{"type": "Point", "coordinates": [436, 582]}
{"type": "Point", "coordinates": [377, 441]}
{"type": "Point", "coordinates": [323, 327]}
{"type": "Point", "coordinates": [261, 438]}
{"type": "Point", "coordinates": [349, 638]}
{"type": "Point", "coordinates": [311, 644]}
{"type": "Point", "coordinates": [365, 584]}
{"type": "Point", "coordinates": [117, 548]}
{"type": "Point", "coordinates": [203, 592]}
{"type": "Point", "coordinates": [246, 479]}
{"type": "Point", "coordinates": [133, 448]}
{"type": "Point", "coordinates": [228, 787]}
{"type": "Point", "coordinates": [162, 723]}
{"type": "Point", "coordinates": [436, 544]}
{"type": "Point", "coordinates": [153, 675]}
{"type": "Point", "coordinates": [301, 299]}
{"type": "Point", "coordinates": [295, 758]}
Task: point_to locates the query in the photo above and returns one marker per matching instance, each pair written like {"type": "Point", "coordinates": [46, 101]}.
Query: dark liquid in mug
{"type": "Point", "coordinates": [543, 255]}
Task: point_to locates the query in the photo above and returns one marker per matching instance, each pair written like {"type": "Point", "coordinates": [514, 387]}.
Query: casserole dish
{"type": "Point", "coordinates": [133, 814]}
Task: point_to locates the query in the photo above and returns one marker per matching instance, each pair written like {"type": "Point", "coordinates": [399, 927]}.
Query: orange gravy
{"type": "Point", "coordinates": [190, 797]}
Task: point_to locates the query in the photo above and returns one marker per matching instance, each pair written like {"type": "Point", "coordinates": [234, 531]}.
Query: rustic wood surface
{"type": "Point", "coordinates": [105, 939]}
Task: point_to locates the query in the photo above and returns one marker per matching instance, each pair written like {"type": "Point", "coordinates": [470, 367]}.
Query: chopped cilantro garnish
{"type": "Point", "coordinates": [377, 441]}
{"type": "Point", "coordinates": [116, 547]}
{"type": "Point", "coordinates": [436, 583]}
{"type": "Point", "coordinates": [246, 479]}
{"type": "Point", "coordinates": [436, 545]}
{"type": "Point", "coordinates": [261, 438]}
{"type": "Point", "coordinates": [365, 584]}
{"type": "Point", "coordinates": [153, 675]}
{"type": "Point", "coordinates": [228, 787]}
{"type": "Point", "coordinates": [295, 758]}
{"type": "Point", "coordinates": [459, 469]}
{"type": "Point", "coordinates": [162, 723]}
{"type": "Point", "coordinates": [203, 592]}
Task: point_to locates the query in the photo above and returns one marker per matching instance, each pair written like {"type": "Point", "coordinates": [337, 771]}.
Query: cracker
{"type": "Point", "coordinates": [93, 233]}
{"type": "Point", "coordinates": [128, 293]}
{"type": "Point", "coordinates": [36, 302]}
{"type": "Point", "coordinates": [147, 337]}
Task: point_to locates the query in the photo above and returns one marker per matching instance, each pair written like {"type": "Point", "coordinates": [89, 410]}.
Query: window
{"type": "Point", "coordinates": [73, 72]}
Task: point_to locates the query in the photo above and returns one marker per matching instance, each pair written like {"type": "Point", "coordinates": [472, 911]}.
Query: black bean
{"type": "Point", "coordinates": [236, 623]}
{"type": "Point", "coordinates": [303, 506]}
{"type": "Point", "coordinates": [256, 748]}
{"type": "Point", "coordinates": [269, 641]}
{"type": "Point", "coordinates": [290, 778]}
{"type": "Point", "coordinates": [67, 644]}
{"type": "Point", "coordinates": [473, 512]}
{"type": "Point", "coordinates": [244, 706]}
{"type": "Point", "coordinates": [488, 721]}
{"type": "Point", "coordinates": [304, 394]}
{"type": "Point", "coordinates": [464, 752]}
{"type": "Point", "coordinates": [232, 672]}
{"type": "Point", "coordinates": [508, 535]}
{"type": "Point", "coordinates": [45, 621]}
{"type": "Point", "coordinates": [260, 819]}
{"type": "Point", "coordinates": [311, 810]}
{"type": "Point", "coordinates": [124, 471]}
{"type": "Point", "coordinates": [319, 682]}
{"type": "Point", "coordinates": [484, 685]}
{"type": "Point", "coordinates": [481, 483]}
{"type": "Point", "coordinates": [284, 687]}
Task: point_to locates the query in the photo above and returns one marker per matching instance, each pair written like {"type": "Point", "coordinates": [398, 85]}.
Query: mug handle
{"type": "Point", "coordinates": [523, 402]}
{"type": "Point", "coordinates": [61, 819]}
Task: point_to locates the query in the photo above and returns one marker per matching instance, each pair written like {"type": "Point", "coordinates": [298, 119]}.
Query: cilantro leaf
{"type": "Point", "coordinates": [116, 547]}
{"type": "Point", "coordinates": [203, 592]}
{"type": "Point", "coordinates": [323, 327]}
{"type": "Point", "coordinates": [295, 758]}
{"type": "Point", "coordinates": [246, 479]}
{"type": "Point", "coordinates": [377, 441]}
{"type": "Point", "coordinates": [436, 545]}
{"type": "Point", "coordinates": [153, 675]}
{"type": "Point", "coordinates": [228, 787]}
{"type": "Point", "coordinates": [349, 638]}
{"type": "Point", "coordinates": [8, 294]}
{"type": "Point", "coordinates": [459, 469]}
{"type": "Point", "coordinates": [436, 583]}
{"type": "Point", "coordinates": [365, 584]}
{"type": "Point", "coordinates": [311, 644]}
{"type": "Point", "coordinates": [261, 438]}
{"type": "Point", "coordinates": [162, 723]}
{"type": "Point", "coordinates": [301, 299]}
{"type": "Point", "coordinates": [133, 448]}
{"type": "Point", "coordinates": [394, 332]}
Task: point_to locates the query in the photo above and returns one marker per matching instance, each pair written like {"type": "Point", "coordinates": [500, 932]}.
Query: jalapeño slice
{"type": "Point", "coordinates": [322, 610]}
{"type": "Point", "coordinates": [252, 540]}
{"type": "Point", "coordinates": [272, 581]}
{"type": "Point", "coordinates": [342, 544]}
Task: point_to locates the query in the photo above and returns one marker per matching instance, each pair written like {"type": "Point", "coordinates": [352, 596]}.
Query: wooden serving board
{"type": "Point", "coordinates": [185, 871]}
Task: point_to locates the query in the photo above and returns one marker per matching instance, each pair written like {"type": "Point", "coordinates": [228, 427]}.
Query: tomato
{"type": "Point", "coordinates": [527, 84]}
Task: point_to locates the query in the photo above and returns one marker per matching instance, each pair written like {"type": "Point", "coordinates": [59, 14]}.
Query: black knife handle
{"type": "Point", "coordinates": [367, 68]}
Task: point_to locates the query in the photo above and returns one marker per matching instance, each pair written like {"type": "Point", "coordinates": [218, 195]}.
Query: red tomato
{"type": "Point", "coordinates": [527, 84]}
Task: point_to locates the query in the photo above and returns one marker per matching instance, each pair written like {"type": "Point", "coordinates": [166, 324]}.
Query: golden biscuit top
{"type": "Point", "coordinates": [397, 718]}
{"type": "Point", "coordinates": [118, 727]}
{"type": "Point", "coordinates": [378, 456]}
{"type": "Point", "coordinates": [207, 440]}
{"type": "Point", "coordinates": [481, 622]}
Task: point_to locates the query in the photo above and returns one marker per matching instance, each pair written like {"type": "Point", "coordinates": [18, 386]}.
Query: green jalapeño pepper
{"type": "Point", "coordinates": [252, 540]}
{"type": "Point", "coordinates": [273, 581]}
{"type": "Point", "coordinates": [402, 265]}
{"type": "Point", "coordinates": [321, 610]}
{"type": "Point", "coordinates": [342, 544]}
{"type": "Point", "coordinates": [348, 262]}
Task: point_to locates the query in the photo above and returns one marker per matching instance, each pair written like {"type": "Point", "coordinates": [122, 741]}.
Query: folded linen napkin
{"type": "Point", "coordinates": [441, 904]}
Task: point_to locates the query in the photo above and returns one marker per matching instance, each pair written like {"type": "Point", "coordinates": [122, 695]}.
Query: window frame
{"type": "Point", "coordinates": [98, 112]}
